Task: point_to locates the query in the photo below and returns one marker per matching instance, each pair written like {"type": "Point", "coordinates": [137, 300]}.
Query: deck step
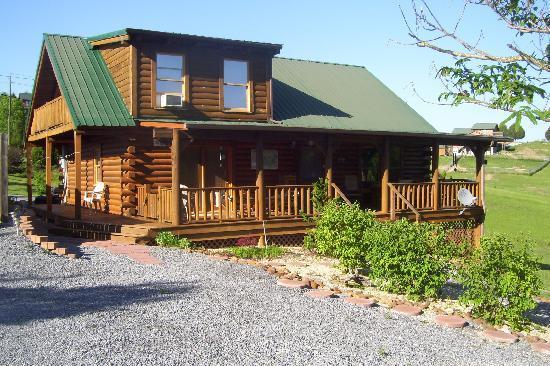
{"type": "Point", "coordinates": [79, 233]}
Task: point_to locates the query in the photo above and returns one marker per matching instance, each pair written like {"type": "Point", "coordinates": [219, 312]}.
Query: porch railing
{"type": "Point", "coordinates": [449, 192]}
{"type": "Point", "coordinates": [155, 205]}
{"type": "Point", "coordinates": [219, 203]}
{"type": "Point", "coordinates": [289, 200]}
{"type": "Point", "coordinates": [417, 197]}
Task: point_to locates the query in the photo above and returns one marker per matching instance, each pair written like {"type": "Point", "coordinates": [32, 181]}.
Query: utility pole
{"type": "Point", "coordinates": [9, 109]}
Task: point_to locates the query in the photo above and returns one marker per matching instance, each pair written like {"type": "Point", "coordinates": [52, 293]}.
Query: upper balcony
{"type": "Point", "coordinates": [51, 117]}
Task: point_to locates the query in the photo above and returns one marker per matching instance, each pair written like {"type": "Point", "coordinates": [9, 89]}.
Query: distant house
{"type": "Point", "coordinates": [26, 99]}
{"type": "Point", "coordinates": [478, 129]}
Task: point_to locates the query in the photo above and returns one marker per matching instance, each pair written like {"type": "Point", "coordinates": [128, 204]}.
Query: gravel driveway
{"type": "Point", "coordinates": [106, 309]}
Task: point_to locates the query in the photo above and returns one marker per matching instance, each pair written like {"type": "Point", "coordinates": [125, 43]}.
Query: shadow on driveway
{"type": "Point", "coordinates": [20, 305]}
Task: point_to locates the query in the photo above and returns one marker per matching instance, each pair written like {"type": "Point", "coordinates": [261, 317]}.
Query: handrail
{"type": "Point", "coordinates": [338, 193]}
{"type": "Point", "coordinates": [407, 203]}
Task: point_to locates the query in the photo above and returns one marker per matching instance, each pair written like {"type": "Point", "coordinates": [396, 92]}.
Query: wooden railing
{"type": "Point", "coordinates": [398, 202]}
{"type": "Point", "coordinates": [449, 192]}
{"type": "Point", "coordinates": [289, 200]}
{"type": "Point", "coordinates": [219, 203]}
{"type": "Point", "coordinates": [420, 195]}
{"type": "Point", "coordinates": [416, 197]}
{"type": "Point", "coordinates": [339, 194]}
{"type": "Point", "coordinates": [52, 114]}
{"type": "Point", "coordinates": [154, 205]}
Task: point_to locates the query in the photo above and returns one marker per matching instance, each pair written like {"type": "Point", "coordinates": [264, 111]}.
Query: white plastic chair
{"type": "Point", "coordinates": [466, 198]}
{"type": "Point", "coordinates": [91, 197]}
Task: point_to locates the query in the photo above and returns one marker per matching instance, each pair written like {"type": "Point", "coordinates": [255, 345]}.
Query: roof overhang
{"type": "Point", "coordinates": [439, 138]}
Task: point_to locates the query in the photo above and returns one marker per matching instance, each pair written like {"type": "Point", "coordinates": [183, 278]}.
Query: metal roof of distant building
{"type": "Point", "coordinates": [461, 131]}
{"type": "Point", "coordinates": [309, 94]}
{"type": "Point", "coordinates": [485, 126]}
{"type": "Point", "coordinates": [86, 83]}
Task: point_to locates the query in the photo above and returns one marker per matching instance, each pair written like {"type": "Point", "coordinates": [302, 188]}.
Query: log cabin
{"type": "Point", "coordinates": [216, 139]}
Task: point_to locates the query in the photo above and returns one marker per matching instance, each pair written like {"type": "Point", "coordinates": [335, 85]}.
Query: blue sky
{"type": "Point", "coordinates": [362, 32]}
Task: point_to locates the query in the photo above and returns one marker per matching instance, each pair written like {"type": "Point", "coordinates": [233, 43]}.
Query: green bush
{"type": "Point", "coordinates": [501, 279]}
{"type": "Point", "coordinates": [167, 239]}
{"type": "Point", "coordinates": [339, 233]}
{"type": "Point", "coordinates": [410, 258]}
{"type": "Point", "coordinates": [38, 183]}
{"type": "Point", "coordinates": [256, 252]}
{"type": "Point", "coordinates": [320, 194]}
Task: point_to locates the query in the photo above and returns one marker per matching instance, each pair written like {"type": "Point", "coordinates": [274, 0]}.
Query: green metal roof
{"type": "Point", "coordinates": [461, 131]}
{"type": "Point", "coordinates": [308, 94]}
{"type": "Point", "coordinates": [86, 83]}
{"type": "Point", "coordinates": [485, 126]}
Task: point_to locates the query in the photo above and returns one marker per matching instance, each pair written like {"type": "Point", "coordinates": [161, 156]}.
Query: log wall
{"type": "Point", "coordinates": [205, 70]}
{"type": "Point", "coordinates": [117, 58]}
{"type": "Point", "coordinates": [114, 199]}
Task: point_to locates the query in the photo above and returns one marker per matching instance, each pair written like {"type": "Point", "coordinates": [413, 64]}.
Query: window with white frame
{"type": "Point", "coordinates": [236, 93]}
{"type": "Point", "coordinates": [170, 88]}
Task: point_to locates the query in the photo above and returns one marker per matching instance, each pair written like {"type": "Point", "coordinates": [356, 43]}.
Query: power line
{"type": "Point", "coordinates": [16, 77]}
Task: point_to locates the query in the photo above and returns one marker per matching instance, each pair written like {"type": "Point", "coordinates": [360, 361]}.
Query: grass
{"type": "Point", "coordinates": [256, 253]}
{"type": "Point", "coordinates": [517, 204]}
{"type": "Point", "coordinates": [17, 184]}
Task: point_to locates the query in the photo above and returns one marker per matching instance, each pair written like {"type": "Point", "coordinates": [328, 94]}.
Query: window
{"type": "Point", "coordinates": [235, 85]}
{"type": "Point", "coordinates": [170, 80]}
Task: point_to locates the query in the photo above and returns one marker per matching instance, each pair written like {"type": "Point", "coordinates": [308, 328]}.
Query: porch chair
{"type": "Point", "coordinates": [466, 199]}
{"type": "Point", "coordinates": [94, 196]}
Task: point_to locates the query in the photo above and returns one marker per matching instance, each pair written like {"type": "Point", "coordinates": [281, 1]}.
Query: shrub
{"type": "Point", "coordinates": [320, 194]}
{"type": "Point", "coordinates": [167, 239]}
{"type": "Point", "coordinates": [409, 258]}
{"type": "Point", "coordinates": [256, 252]}
{"type": "Point", "coordinates": [500, 279]}
{"type": "Point", "coordinates": [15, 159]}
{"type": "Point", "coordinates": [339, 233]}
{"type": "Point", "coordinates": [38, 183]}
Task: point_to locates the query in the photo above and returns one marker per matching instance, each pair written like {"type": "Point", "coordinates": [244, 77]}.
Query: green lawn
{"type": "Point", "coordinates": [517, 204]}
{"type": "Point", "coordinates": [17, 184]}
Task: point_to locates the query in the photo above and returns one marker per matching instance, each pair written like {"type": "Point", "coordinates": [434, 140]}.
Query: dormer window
{"type": "Point", "coordinates": [170, 81]}
{"type": "Point", "coordinates": [236, 86]}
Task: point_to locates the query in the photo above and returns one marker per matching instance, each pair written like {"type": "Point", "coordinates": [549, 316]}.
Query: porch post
{"type": "Point", "coordinates": [48, 177]}
{"type": "Point", "coordinates": [260, 183]}
{"type": "Point", "coordinates": [435, 176]}
{"type": "Point", "coordinates": [77, 173]}
{"type": "Point", "coordinates": [175, 215]}
{"type": "Point", "coordinates": [328, 165]}
{"type": "Point", "coordinates": [480, 172]}
{"type": "Point", "coordinates": [384, 206]}
{"type": "Point", "coordinates": [202, 177]}
{"type": "Point", "coordinates": [28, 153]}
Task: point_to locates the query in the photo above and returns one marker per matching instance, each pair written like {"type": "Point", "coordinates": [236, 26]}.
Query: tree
{"type": "Point", "coordinates": [514, 131]}
{"type": "Point", "coordinates": [514, 82]}
{"type": "Point", "coordinates": [17, 121]}
{"type": "Point", "coordinates": [547, 134]}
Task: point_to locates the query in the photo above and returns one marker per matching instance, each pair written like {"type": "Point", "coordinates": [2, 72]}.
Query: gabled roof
{"type": "Point", "coordinates": [485, 126]}
{"type": "Point", "coordinates": [274, 47]}
{"type": "Point", "coordinates": [308, 94]}
{"type": "Point", "coordinates": [461, 131]}
{"type": "Point", "coordinates": [85, 83]}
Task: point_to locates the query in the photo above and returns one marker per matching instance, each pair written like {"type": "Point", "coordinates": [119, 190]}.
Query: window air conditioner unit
{"type": "Point", "coordinates": [167, 100]}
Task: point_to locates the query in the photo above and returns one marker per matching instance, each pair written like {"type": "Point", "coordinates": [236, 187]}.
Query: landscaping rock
{"type": "Point", "coordinates": [320, 294]}
{"type": "Point", "coordinates": [291, 283]}
{"type": "Point", "coordinates": [500, 336]}
{"type": "Point", "coordinates": [451, 321]}
{"type": "Point", "coordinates": [407, 309]}
{"type": "Point", "coordinates": [541, 347]}
{"type": "Point", "coordinates": [359, 301]}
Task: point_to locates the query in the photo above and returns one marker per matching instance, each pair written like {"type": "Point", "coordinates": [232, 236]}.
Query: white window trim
{"type": "Point", "coordinates": [183, 80]}
{"type": "Point", "coordinates": [246, 85]}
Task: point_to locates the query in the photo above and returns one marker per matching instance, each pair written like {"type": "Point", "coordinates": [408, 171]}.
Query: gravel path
{"type": "Point", "coordinates": [105, 309]}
